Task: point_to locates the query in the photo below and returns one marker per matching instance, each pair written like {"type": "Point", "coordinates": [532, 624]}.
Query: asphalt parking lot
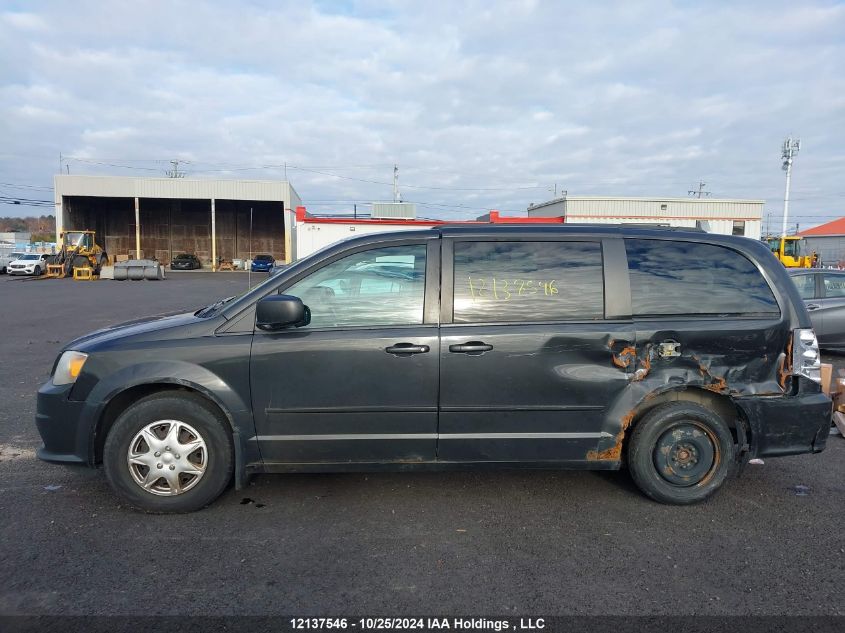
{"type": "Point", "coordinates": [515, 542]}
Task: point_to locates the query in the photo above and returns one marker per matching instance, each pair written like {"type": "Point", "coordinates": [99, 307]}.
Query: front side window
{"type": "Point", "coordinates": [806, 285]}
{"type": "Point", "coordinates": [379, 287]}
{"type": "Point", "coordinates": [690, 278]}
{"type": "Point", "coordinates": [528, 281]}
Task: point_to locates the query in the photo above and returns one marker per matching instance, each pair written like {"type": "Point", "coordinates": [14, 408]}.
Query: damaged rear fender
{"type": "Point", "coordinates": [637, 400]}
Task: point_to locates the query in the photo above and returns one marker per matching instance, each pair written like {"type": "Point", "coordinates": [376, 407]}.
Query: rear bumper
{"type": "Point", "coordinates": [788, 425]}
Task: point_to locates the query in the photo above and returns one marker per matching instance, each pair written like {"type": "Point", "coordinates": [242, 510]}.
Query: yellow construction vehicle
{"type": "Point", "coordinates": [788, 251]}
{"type": "Point", "coordinates": [78, 249]}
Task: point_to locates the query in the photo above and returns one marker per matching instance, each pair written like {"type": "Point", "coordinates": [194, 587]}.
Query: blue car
{"type": "Point", "coordinates": [262, 263]}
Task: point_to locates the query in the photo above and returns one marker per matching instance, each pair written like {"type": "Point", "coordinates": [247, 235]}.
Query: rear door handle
{"type": "Point", "coordinates": [471, 347]}
{"type": "Point", "coordinates": [813, 306]}
{"type": "Point", "coordinates": [406, 348]}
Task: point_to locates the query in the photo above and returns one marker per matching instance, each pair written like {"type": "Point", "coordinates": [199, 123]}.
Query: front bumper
{"type": "Point", "coordinates": [61, 424]}
{"type": "Point", "coordinates": [788, 425]}
{"type": "Point", "coordinates": [21, 271]}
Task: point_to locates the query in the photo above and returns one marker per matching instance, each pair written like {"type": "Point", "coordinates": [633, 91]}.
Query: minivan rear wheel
{"type": "Point", "coordinates": [169, 452]}
{"type": "Point", "coordinates": [680, 453]}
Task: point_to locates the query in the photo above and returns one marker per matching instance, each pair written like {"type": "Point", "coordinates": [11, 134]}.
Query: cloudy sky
{"type": "Point", "coordinates": [481, 104]}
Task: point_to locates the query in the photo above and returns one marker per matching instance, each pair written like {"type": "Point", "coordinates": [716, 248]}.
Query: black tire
{"type": "Point", "coordinates": [103, 261]}
{"type": "Point", "coordinates": [37, 271]}
{"type": "Point", "coordinates": [187, 408]}
{"type": "Point", "coordinates": [680, 453]}
{"type": "Point", "coordinates": [80, 261]}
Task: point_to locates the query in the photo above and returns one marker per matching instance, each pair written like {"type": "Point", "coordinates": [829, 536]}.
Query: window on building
{"type": "Point", "coordinates": [663, 207]}
{"type": "Point", "coordinates": [379, 287]}
{"type": "Point", "coordinates": [678, 278]}
{"type": "Point", "coordinates": [528, 281]}
{"type": "Point", "coordinates": [738, 228]}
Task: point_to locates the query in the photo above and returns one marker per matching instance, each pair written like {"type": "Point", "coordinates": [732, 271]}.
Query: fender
{"type": "Point", "coordinates": [178, 374]}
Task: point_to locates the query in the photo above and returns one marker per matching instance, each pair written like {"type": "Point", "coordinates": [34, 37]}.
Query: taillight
{"type": "Point", "coordinates": [806, 360]}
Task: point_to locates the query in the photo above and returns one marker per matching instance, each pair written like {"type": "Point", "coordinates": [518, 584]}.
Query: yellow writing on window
{"type": "Point", "coordinates": [496, 289]}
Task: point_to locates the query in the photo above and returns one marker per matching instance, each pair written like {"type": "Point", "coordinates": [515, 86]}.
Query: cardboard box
{"type": "Point", "coordinates": [838, 394]}
{"type": "Point", "coordinates": [121, 258]}
{"type": "Point", "coordinates": [827, 375]}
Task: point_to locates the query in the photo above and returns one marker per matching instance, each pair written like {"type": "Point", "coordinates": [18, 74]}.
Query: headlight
{"type": "Point", "coordinates": [69, 367]}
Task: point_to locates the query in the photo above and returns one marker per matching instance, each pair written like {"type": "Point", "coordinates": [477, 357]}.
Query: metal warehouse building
{"type": "Point", "coordinates": [725, 216]}
{"type": "Point", "coordinates": [162, 217]}
{"type": "Point", "coordinates": [827, 241]}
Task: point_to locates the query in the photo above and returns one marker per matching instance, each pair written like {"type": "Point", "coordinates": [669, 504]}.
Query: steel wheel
{"type": "Point", "coordinates": [680, 452]}
{"type": "Point", "coordinates": [167, 457]}
{"type": "Point", "coordinates": [686, 454]}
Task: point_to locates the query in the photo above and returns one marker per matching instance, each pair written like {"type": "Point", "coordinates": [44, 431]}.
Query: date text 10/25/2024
{"type": "Point", "coordinates": [418, 624]}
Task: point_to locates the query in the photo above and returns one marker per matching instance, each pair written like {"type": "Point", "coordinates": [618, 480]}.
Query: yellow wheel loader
{"type": "Point", "coordinates": [79, 249]}
{"type": "Point", "coordinates": [788, 251]}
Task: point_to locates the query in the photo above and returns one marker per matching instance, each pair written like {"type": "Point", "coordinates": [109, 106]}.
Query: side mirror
{"type": "Point", "coordinates": [275, 312]}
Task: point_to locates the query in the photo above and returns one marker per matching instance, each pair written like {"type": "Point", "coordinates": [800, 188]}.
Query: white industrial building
{"type": "Point", "coordinates": [714, 215]}
{"type": "Point", "coordinates": [316, 232]}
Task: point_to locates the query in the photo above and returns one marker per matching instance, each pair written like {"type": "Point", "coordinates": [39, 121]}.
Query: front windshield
{"type": "Point", "coordinates": [75, 239]}
{"type": "Point", "coordinates": [263, 258]}
{"type": "Point", "coordinates": [30, 257]}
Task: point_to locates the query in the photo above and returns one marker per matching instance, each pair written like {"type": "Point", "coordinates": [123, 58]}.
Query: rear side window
{"type": "Point", "coordinates": [682, 278]}
{"type": "Point", "coordinates": [528, 281]}
{"type": "Point", "coordinates": [834, 285]}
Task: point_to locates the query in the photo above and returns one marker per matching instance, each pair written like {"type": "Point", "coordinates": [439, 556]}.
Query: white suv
{"type": "Point", "coordinates": [5, 260]}
{"type": "Point", "coordinates": [28, 264]}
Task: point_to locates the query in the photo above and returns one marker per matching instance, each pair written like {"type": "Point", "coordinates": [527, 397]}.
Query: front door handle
{"type": "Point", "coordinates": [471, 347]}
{"type": "Point", "coordinates": [406, 348]}
{"type": "Point", "coordinates": [813, 306]}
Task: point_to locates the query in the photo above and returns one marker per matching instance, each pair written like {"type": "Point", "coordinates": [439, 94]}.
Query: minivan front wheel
{"type": "Point", "coordinates": [169, 452]}
{"type": "Point", "coordinates": [680, 453]}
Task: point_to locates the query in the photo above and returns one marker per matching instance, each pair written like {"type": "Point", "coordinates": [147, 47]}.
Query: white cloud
{"type": "Point", "coordinates": [624, 98]}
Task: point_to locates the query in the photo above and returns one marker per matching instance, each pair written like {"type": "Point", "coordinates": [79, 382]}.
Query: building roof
{"type": "Point", "coordinates": [131, 187]}
{"type": "Point", "coordinates": [837, 227]}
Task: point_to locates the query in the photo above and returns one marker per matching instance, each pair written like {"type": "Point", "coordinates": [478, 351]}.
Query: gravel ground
{"type": "Point", "coordinates": [506, 542]}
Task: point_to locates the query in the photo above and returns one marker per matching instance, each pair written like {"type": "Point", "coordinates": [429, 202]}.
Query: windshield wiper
{"type": "Point", "coordinates": [211, 309]}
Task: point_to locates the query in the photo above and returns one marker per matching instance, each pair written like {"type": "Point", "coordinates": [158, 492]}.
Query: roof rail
{"type": "Point", "coordinates": [581, 225]}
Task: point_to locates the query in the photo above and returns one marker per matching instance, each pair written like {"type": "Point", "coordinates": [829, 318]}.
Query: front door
{"type": "Point", "coordinates": [359, 383]}
{"type": "Point", "coordinates": [529, 362]}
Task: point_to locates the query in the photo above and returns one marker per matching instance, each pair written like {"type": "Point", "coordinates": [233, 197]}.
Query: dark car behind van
{"type": "Point", "coordinates": [676, 353]}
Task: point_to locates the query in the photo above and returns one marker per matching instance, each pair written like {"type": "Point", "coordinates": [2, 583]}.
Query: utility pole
{"type": "Point", "coordinates": [700, 191]}
{"type": "Point", "coordinates": [175, 173]}
{"type": "Point", "coordinates": [791, 147]}
{"type": "Point", "coordinates": [396, 183]}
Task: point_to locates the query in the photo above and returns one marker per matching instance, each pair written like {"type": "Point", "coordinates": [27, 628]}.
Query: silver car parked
{"type": "Point", "coordinates": [823, 292]}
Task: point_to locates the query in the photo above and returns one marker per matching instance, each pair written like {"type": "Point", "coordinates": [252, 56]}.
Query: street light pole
{"type": "Point", "coordinates": [790, 148]}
